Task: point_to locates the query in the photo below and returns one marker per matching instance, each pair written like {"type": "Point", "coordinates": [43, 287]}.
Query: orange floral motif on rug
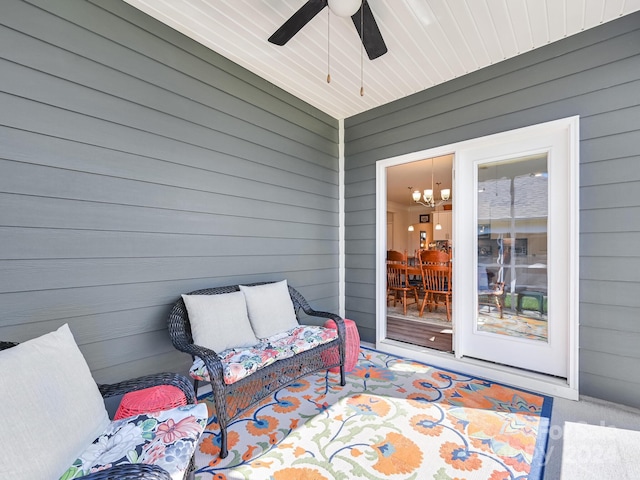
{"type": "Point", "coordinates": [395, 419]}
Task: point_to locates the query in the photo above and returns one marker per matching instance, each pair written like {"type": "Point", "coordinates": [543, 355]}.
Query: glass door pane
{"type": "Point", "coordinates": [412, 315]}
{"type": "Point", "coordinates": [512, 226]}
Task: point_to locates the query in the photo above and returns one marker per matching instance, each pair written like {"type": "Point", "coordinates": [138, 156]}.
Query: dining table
{"type": "Point", "coordinates": [414, 270]}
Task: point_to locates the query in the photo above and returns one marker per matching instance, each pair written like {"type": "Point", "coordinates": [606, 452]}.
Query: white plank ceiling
{"type": "Point", "coordinates": [429, 41]}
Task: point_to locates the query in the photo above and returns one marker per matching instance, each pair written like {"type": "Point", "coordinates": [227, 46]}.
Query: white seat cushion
{"type": "Point", "coordinates": [270, 308]}
{"type": "Point", "coordinates": [219, 322]}
{"type": "Point", "coordinates": [51, 406]}
{"type": "Point", "coordinates": [166, 439]}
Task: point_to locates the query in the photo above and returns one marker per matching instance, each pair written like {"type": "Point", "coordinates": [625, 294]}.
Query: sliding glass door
{"type": "Point", "coordinates": [515, 257]}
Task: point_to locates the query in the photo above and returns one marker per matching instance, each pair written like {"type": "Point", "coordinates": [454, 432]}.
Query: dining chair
{"type": "Point", "coordinates": [434, 257]}
{"type": "Point", "coordinates": [394, 256]}
{"type": "Point", "coordinates": [398, 283]}
{"type": "Point", "coordinates": [436, 280]}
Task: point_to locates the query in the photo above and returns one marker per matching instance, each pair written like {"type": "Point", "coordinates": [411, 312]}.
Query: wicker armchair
{"type": "Point", "coordinates": [137, 471]}
{"type": "Point", "coordinates": [232, 400]}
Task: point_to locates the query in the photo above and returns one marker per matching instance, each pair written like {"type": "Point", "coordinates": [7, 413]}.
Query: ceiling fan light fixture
{"type": "Point", "coordinates": [344, 8]}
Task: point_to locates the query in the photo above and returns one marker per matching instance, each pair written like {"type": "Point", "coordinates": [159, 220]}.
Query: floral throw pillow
{"type": "Point", "coordinates": [167, 439]}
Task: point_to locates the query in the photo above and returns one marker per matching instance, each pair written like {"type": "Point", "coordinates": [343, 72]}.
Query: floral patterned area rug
{"type": "Point", "coordinates": [394, 419]}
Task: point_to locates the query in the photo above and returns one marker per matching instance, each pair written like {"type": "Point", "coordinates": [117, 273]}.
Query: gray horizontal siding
{"type": "Point", "coordinates": [596, 75]}
{"type": "Point", "coordinates": [619, 391]}
{"type": "Point", "coordinates": [136, 165]}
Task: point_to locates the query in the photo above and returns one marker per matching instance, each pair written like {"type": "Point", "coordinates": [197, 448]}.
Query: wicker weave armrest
{"type": "Point", "coordinates": [210, 358]}
{"type": "Point", "coordinates": [5, 345]}
{"type": "Point", "coordinates": [175, 379]}
{"type": "Point", "coordinates": [131, 471]}
{"type": "Point", "coordinates": [198, 351]}
{"type": "Point", "coordinates": [315, 313]}
{"type": "Point", "coordinates": [301, 302]}
{"type": "Point", "coordinates": [342, 329]}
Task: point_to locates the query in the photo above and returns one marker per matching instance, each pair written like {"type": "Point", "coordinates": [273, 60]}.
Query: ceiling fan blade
{"type": "Point", "coordinates": [372, 38]}
{"type": "Point", "coordinates": [297, 21]}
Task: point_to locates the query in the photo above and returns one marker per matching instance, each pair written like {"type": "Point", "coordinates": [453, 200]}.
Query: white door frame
{"type": "Point", "coordinates": [533, 381]}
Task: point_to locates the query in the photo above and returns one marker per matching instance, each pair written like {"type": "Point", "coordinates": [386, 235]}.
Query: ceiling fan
{"type": "Point", "coordinates": [363, 17]}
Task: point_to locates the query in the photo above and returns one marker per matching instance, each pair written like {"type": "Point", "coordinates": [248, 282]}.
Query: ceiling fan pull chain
{"type": "Point", "coordinates": [362, 48]}
{"type": "Point", "coordinates": [328, 45]}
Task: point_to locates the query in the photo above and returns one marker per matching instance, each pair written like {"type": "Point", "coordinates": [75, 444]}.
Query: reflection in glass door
{"type": "Point", "coordinates": [512, 203]}
{"type": "Point", "coordinates": [517, 255]}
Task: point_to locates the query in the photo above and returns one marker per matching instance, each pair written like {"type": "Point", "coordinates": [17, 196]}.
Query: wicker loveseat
{"type": "Point", "coordinates": [55, 424]}
{"type": "Point", "coordinates": [243, 375]}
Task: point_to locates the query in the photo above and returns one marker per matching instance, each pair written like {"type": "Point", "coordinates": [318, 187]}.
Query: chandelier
{"type": "Point", "coordinates": [428, 198]}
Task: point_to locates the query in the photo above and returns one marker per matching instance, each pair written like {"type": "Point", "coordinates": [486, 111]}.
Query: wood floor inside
{"type": "Point", "coordinates": [438, 337]}
{"type": "Point", "coordinates": [434, 330]}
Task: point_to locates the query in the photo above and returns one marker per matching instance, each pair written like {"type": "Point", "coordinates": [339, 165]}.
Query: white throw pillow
{"type": "Point", "coordinates": [270, 308]}
{"type": "Point", "coordinates": [51, 408]}
{"type": "Point", "coordinates": [219, 322]}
